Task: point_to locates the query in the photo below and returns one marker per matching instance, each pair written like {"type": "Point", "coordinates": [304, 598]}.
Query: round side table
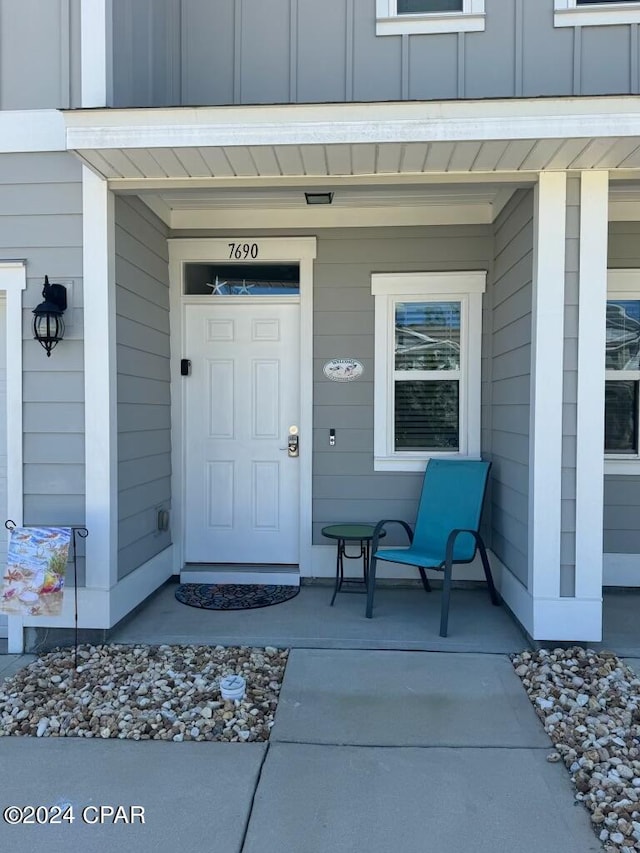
{"type": "Point", "coordinates": [343, 533]}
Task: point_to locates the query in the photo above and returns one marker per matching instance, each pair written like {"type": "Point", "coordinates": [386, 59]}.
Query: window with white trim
{"type": "Point", "coordinates": [428, 329]}
{"type": "Point", "coordinates": [595, 13]}
{"type": "Point", "coordinates": [622, 367]}
{"type": "Point", "coordinates": [395, 17]}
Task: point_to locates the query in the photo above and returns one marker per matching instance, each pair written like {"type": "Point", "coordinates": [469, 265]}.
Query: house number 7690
{"type": "Point", "coordinates": [241, 251]}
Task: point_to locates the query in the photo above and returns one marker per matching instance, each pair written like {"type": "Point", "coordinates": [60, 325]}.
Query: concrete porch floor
{"type": "Point", "coordinates": [404, 619]}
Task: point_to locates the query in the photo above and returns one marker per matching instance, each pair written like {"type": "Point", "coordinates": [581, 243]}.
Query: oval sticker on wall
{"type": "Point", "coordinates": [343, 369]}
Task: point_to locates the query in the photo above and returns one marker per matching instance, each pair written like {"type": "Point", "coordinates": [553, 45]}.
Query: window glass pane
{"type": "Point", "coordinates": [427, 415]}
{"type": "Point", "coordinates": [427, 336]}
{"type": "Point", "coordinates": [242, 279]}
{"type": "Point", "coordinates": [623, 334]}
{"type": "Point", "coordinates": [415, 7]}
{"type": "Point", "coordinates": [621, 417]}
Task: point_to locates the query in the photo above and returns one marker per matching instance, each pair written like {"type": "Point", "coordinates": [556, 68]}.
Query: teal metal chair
{"type": "Point", "coordinates": [446, 529]}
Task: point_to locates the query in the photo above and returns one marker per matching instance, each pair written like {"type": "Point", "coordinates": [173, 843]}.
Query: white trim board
{"type": "Point", "coordinates": [13, 281]}
{"type": "Point", "coordinates": [31, 130]}
{"type": "Point", "coordinates": [506, 119]}
{"type": "Point", "coordinates": [100, 380]}
{"type": "Point", "coordinates": [592, 309]}
{"type": "Point", "coordinates": [94, 61]}
{"type": "Point", "coordinates": [182, 250]}
{"type": "Point", "coordinates": [389, 22]}
{"type": "Point", "coordinates": [567, 13]}
{"type": "Point", "coordinates": [139, 584]}
{"type": "Point", "coordinates": [547, 360]}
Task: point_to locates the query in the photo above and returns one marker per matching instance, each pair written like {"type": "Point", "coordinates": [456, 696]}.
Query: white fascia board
{"type": "Point", "coordinates": [554, 118]}
{"type": "Point", "coordinates": [31, 130]}
{"type": "Point", "coordinates": [328, 217]}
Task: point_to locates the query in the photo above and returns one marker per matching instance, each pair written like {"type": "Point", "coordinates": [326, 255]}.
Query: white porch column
{"type": "Point", "coordinates": [13, 281]}
{"type": "Point", "coordinates": [594, 200]}
{"type": "Point", "coordinates": [100, 382]}
{"type": "Point", "coordinates": [547, 346]}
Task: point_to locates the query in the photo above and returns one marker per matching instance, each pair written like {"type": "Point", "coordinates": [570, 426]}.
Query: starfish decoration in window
{"type": "Point", "coordinates": [217, 288]}
{"type": "Point", "coordinates": [244, 288]}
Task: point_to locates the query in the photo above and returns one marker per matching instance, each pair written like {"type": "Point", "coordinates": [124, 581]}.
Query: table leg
{"type": "Point", "coordinates": [339, 571]}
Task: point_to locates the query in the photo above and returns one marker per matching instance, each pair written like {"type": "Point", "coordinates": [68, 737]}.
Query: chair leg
{"type": "Point", "coordinates": [495, 598]}
{"type": "Point", "coordinates": [371, 586]}
{"type": "Point", "coordinates": [446, 594]}
{"type": "Point", "coordinates": [425, 579]}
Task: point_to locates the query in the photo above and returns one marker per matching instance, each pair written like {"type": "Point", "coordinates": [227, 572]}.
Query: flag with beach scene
{"type": "Point", "coordinates": [33, 580]}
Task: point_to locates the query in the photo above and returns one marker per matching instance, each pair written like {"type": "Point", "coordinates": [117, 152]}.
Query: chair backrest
{"type": "Point", "coordinates": [452, 497]}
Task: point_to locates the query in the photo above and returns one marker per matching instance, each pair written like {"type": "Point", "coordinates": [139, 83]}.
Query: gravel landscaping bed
{"type": "Point", "coordinates": [144, 692]}
{"type": "Point", "coordinates": [589, 703]}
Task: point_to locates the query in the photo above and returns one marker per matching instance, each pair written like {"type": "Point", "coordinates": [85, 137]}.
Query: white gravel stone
{"type": "Point", "coordinates": [144, 692]}
{"type": "Point", "coordinates": [589, 703]}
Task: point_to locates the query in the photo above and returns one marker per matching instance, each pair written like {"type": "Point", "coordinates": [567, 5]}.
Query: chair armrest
{"type": "Point", "coordinates": [380, 527]}
{"type": "Point", "coordinates": [451, 541]}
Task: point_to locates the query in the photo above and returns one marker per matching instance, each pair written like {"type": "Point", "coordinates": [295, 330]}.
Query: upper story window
{"type": "Point", "coordinates": [395, 17]}
{"type": "Point", "coordinates": [595, 13]}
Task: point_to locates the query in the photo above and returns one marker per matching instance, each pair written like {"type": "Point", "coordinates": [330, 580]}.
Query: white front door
{"type": "Point", "coordinates": [242, 487]}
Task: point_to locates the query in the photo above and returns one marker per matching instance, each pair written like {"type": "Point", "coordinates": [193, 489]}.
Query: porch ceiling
{"type": "Point", "coordinates": [435, 162]}
{"type": "Point", "coordinates": [178, 146]}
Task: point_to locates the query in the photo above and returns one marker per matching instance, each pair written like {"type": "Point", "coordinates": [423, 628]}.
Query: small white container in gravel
{"type": "Point", "coordinates": [232, 687]}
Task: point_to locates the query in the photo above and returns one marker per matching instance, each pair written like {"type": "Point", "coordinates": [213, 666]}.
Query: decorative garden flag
{"type": "Point", "coordinates": [33, 581]}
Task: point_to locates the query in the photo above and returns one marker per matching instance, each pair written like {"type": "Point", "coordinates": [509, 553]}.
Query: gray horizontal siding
{"type": "Point", "coordinates": [39, 54]}
{"type": "Point", "coordinates": [41, 221]}
{"type": "Point", "coordinates": [506, 375]}
{"type": "Point", "coordinates": [144, 400]}
{"type": "Point", "coordinates": [303, 51]}
{"type": "Point", "coordinates": [345, 486]}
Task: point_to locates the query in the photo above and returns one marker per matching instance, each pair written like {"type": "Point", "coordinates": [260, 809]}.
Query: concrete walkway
{"type": "Point", "coordinates": [371, 751]}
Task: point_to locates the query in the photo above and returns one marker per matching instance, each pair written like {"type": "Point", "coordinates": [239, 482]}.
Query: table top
{"type": "Point", "coordinates": [350, 531]}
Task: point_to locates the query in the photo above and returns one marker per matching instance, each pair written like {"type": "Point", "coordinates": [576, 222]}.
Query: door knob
{"type": "Point", "coordinates": [293, 443]}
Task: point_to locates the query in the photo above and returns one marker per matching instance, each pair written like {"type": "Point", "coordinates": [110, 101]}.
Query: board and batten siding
{"type": "Point", "coordinates": [199, 52]}
{"type": "Point", "coordinates": [41, 222]}
{"type": "Point", "coordinates": [622, 493]}
{"type": "Point", "coordinates": [507, 381]}
{"type": "Point", "coordinates": [345, 485]}
{"type": "Point", "coordinates": [39, 54]}
{"type": "Point", "coordinates": [144, 399]}
{"type": "Point", "coordinates": [146, 52]}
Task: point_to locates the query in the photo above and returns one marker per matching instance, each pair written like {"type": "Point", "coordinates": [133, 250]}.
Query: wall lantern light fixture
{"type": "Point", "coordinates": [48, 325]}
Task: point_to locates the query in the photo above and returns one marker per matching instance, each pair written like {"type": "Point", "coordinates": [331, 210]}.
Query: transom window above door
{"type": "Point", "coordinates": [241, 279]}
{"type": "Point", "coordinates": [395, 17]}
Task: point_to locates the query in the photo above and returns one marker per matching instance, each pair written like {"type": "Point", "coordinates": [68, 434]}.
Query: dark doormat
{"type": "Point", "coordinates": [234, 596]}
